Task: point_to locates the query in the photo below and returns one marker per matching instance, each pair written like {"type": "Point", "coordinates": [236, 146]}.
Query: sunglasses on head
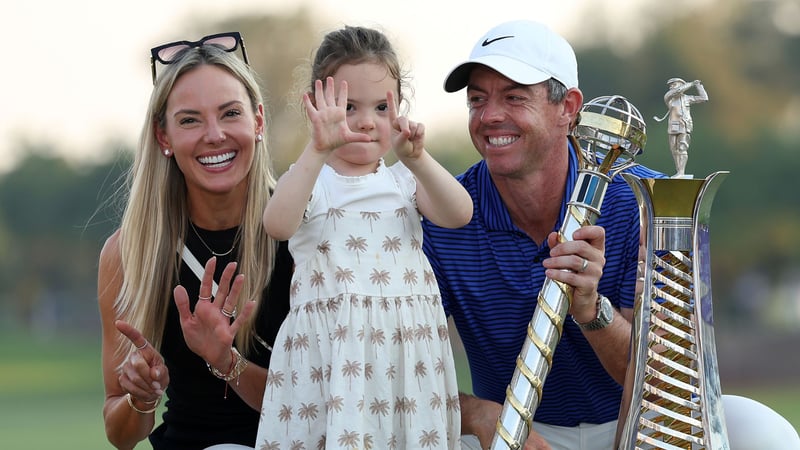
{"type": "Point", "coordinates": [172, 52]}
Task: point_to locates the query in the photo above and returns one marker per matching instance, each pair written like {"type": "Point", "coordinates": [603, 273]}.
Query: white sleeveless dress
{"type": "Point", "coordinates": [363, 360]}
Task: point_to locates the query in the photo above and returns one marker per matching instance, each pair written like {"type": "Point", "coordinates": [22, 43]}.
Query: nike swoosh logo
{"type": "Point", "coordinates": [489, 41]}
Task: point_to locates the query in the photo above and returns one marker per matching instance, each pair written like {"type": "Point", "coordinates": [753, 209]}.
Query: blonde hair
{"type": "Point", "coordinates": [155, 217]}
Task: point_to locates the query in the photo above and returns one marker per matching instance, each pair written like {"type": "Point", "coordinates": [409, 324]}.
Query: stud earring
{"type": "Point", "coordinates": [166, 152]}
{"type": "Point", "coordinates": [259, 137]}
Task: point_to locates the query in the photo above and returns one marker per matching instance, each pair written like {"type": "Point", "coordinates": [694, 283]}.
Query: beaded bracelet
{"type": "Point", "coordinates": [155, 404]}
{"type": "Point", "coordinates": [238, 364]}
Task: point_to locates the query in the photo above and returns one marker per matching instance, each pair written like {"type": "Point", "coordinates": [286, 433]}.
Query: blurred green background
{"type": "Point", "coordinates": [51, 393]}
{"type": "Point", "coordinates": [55, 212]}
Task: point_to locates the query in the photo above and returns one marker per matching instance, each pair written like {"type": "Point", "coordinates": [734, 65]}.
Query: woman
{"type": "Point", "coordinates": [199, 183]}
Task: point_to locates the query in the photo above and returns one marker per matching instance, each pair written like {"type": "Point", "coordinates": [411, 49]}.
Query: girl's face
{"type": "Point", "coordinates": [368, 113]}
{"type": "Point", "coordinates": [211, 130]}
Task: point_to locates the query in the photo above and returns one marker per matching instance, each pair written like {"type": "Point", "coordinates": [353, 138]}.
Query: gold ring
{"type": "Point", "coordinates": [584, 266]}
{"type": "Point", "coordinates": [230, 314]}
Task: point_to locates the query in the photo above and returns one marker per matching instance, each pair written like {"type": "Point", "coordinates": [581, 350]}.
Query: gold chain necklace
{"type": "Point", "coordinates": [209, 248]}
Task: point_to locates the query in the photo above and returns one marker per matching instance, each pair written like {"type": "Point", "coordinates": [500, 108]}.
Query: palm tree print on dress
{"type": "Point", "coordinates": [424, 332]}
{"type": "Point", "coordinates": [348, 439]}
{"type": "Point", "coordinates": [436, 402]}
{"type": "Point", "coordinates": [301, 343]}
{"type": "Point", "coordinates": [340, 335]}
{"type": "Point", "coordinates": [429, 439]}
{"type": "Point", "coordinates": [324, 247]}
{"type": "Point", "coordinates": [440, 366]}
{"type": "Point", "coordinates": [344, 276]}
{"type": "Point", "coordinates": [405, 406]}
{"type": "Point", "coordinates": [379, 408]}
{"type": "Point", "coordinates": [420, 371]}
{"type": "Point", "coordinates": [317, 280]}
{"type": "Point", "coordinates": [285, 415]}
{"type": "Point", "coordinates": [351, 369]}
{"type": "Point", "coordinates": [316, 376]}
{"type": "Point", "coordinates": [370, 216]}
{"type": "Point", "coordinates": [357, 245]}
{"type": "Point", "coordinates": [377, 338]}
{"type": "Point", "coordinates": [335, 213]}
{"type": "Point", "coordinates": [270, 446]}
{"type": "Point", "coordinates": [410, 278]}
{"type": "Point", "coordinates": [453, 403]}
{"type": "Point", "coordinates": [380, 278]}
{"type": "Point", "coordinates": [391, 372]}
{"type": "Point", "coordinates": [392, 245]}
{"type": "Point", "coordinates": [430, 280]}
{"type": "Point", "coordinates": [416, 245]}
{"type": "Point", "coordinates": [367, 442]}
{"type": "Point", "coordinates": [402, 213]}
{"type": "Point", "coordinates": [308, 412]}
{"type": "Point", "coordinates": [333, 404]}
{"type": "Point", "coordinates": [274, 379]}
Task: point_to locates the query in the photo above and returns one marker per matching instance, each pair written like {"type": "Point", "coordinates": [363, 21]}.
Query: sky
{"type": "Point", "coordinates": [76, 74]}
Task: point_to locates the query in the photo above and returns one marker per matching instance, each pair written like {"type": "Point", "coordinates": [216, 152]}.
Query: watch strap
{"type": "Point", "coordinates": [605, 314]}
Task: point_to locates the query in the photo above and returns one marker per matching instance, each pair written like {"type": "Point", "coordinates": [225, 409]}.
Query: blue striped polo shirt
{"type": "Point", "coordinates": [490, 274]}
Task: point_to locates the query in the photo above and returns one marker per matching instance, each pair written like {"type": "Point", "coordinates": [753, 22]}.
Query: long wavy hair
{"type": "Point", "coordinates": [156, 213]}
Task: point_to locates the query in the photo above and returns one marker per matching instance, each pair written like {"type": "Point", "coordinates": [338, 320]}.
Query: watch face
{"type": "Point", "coordinates": [606, 310]}
{"type": "Point", "coordinates": [605, 314]}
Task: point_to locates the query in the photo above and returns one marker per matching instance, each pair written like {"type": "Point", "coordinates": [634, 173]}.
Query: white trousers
{"type": "Point", "coordinates": [586, 436]}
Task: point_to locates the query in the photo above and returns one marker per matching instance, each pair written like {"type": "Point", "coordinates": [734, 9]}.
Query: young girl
{"type": "Point", "coordinates": [363, 360]}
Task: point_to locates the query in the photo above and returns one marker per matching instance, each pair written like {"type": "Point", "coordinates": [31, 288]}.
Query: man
{"type": "Point", "coordinates": [523, 99]}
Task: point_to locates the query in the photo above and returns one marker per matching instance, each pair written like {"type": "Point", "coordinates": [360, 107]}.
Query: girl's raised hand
{"type": "Point", "coordinates": [409, 141]}
{"type": "Point", "coordinates": [328, 116]}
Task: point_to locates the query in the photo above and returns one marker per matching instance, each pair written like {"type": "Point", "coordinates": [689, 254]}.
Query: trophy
{"type": "Point", "coordinates": [672, 397]}
{"type": "Point", "coordinates": [610, 133]}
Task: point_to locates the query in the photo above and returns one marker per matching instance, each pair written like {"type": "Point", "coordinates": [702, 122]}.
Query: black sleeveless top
{"type": "Point", "coordinates": [197, 414]}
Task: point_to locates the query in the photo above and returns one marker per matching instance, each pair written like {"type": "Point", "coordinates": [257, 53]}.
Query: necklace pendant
{"type": "Point", "coordinates": [202, 241]}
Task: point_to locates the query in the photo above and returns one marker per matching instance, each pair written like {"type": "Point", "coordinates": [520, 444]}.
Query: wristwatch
{"type": "Point", "coordinates": [605, 314]}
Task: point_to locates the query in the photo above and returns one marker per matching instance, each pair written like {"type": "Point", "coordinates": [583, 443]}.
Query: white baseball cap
{"type": "Point", "coordinates": [524, 51]}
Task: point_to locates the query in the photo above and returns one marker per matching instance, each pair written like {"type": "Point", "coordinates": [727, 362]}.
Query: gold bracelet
{"type": "Point", "coordinates": [155, 403]}
{"type": "Point", "coordinates": [238, 365]}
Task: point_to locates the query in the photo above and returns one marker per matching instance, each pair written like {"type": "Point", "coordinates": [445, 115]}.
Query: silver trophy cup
{"type": "Point", "coordinates": [672, 398]}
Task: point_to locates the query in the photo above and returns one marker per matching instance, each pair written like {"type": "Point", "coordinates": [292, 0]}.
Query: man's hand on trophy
{"type": "Point", "coordinates": [579, 263]}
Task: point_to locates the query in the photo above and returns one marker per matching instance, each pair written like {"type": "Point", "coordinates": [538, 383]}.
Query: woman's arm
{"type": "Point", "coordinates": [124, 426]}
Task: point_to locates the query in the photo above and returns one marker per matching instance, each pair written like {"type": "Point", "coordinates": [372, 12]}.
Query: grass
{"type": "Point", "coordinates": [51, 393]}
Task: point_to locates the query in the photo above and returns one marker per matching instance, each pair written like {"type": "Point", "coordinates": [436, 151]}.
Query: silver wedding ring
{"type": "Point", "coordinates": [230, 314]}
{"type": "Point", "coordinates": [200, 297]}
{"type": "Point", "coordinates": [142, 346]}
{"type": "Point", "coordinates": [584, 266]}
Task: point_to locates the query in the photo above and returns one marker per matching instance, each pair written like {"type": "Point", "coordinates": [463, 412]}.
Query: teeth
{"type": "Point", "coordinates": [502, 140]}
{"type": "Point", "coordinates": [216, 159]}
